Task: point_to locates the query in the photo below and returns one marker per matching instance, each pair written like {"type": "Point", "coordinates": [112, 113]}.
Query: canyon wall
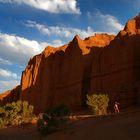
{"type": "Point", "coordinates": [59, 75]}
{"type": "Point", "coordinates": [116, 70]}
{"type": "Point", "coordinates": [98, 64]}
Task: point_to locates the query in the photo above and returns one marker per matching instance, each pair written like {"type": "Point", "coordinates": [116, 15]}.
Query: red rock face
{"type": "Point", "coordinates": [116, 70]}
{"type": "Point", "coordinates": [101, 63]}
{"type": "Point", "coordinates": [56, 75]}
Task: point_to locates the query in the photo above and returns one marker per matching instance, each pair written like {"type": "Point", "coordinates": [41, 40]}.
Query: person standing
{"type": "Point", "coordinates": [116, 108]}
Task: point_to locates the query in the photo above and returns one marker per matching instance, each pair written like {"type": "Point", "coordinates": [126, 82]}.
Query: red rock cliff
{"type": "Point", "coordinates": [56, 75]}
{"type": "Point", "coordinates": [101, 63]}
{"type": "Point", "coordinates": [116, 69]}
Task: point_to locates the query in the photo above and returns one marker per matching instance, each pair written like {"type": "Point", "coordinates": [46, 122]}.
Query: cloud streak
{"type": "Point", "coordinates": [8, 80]}
{"type": "Point", "coordinates": [19, 50]}
{"type": "Point", "coordinates": [52, 6]}
{"type": "Point", "coordinates": [67, 32]}
{"type": "Point", "coordinates": [5, 62]}
{"type": "Point", "coordinates": [106, 22]}
{"type": "Point", "coordinates": [8, 85]}
{"type": "Point", "coordinates": [7, 74]}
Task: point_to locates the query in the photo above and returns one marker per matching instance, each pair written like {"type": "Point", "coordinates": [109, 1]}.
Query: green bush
{"type": "Point", "coordinates": [1, 122]}
{"type": "Point", "coordinates": [58, 111]}
{"type": "Point", "coordinates": [16, 113]}
{"type": "Point", "coordinates": [53, 119]}
{"type": "Point", "coordinates": [98, 103]}
{"type": "Point", "coordinates": [47, 127]}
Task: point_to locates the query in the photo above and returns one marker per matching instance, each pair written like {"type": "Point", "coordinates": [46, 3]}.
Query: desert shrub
{"type": "Point", "coordinates": [98, 103]}
{"type": "Point", "coordinates": [27, 111]}
{"type": "Point", "coordinates": [58, 111]}
{"type": "Point", "coordinates": [1, 122]}
{"type": "Point", "coordinates": [53, 119]}
{"type": "Point", "coordinates": [16, 113]}
{"type": "Point", "coordinates": [2, 112]}
{"type": "Point", "coordinates": [42, 127]}
{"type": "Point", "coordinates": [47, 127]}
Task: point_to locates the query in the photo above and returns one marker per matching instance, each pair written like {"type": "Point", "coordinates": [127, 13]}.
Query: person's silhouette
{"type": "Point", "coordinates": [116, 108]}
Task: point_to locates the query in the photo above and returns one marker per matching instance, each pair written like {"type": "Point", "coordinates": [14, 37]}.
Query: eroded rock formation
{"type": "Point", "coordinates": [116, 70]}
{"type": "Point", "coordinates": [101, 63]}
{"type": "Point", "coordinates": [57, 74]}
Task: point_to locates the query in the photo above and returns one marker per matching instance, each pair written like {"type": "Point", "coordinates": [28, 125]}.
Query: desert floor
{"type": "Point", "coordinates": [125, 126]}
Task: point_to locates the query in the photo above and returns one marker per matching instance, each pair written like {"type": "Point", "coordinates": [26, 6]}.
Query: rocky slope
{"type": "Point", "coordinates": [10, 96]}
{"type": "Point", "coordinates": [101, 63]}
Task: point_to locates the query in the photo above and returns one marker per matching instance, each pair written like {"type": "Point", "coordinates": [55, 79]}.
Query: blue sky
{"type": "Point", "coordinates": [28, 26]}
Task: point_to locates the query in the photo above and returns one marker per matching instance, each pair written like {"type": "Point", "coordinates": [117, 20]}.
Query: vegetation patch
{"type": "Point", "coordinates": [53, 119]}
{"type": "Point", "coordinates": [98, 103]}
{"type": "Point", "coordinates": [16, 113]}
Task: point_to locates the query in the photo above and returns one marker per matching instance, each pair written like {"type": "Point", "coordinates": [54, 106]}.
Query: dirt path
{"type": "Point", "coordinates": [125, 126]}
{"type": "Point", "coordinates": [119, 127]}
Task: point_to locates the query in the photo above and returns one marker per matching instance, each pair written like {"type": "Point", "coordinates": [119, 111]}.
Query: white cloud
{"type": "Point", "coordinates": [15, 49]}
{"type": "Point", "coordinates": [5, 62]}
{"type": "Point", "coordinates": [106, 23]}
{"type": "Point", "coordinates": [19, 50]}
{"type": "Point", "coordinates": [8, 85]}
{"type": "Point", "coordinates": [67, 32]}
{"type": "Point", "coordinates": [7, 74]}
{"type": "Point", "coordinates": [56, 43]}
{"type": "Point", "coordinates": [52, 6]}
{"type": "Point", "coordinates": [8, 80]}
{"type": "Point", "coordinates": [111, 22]}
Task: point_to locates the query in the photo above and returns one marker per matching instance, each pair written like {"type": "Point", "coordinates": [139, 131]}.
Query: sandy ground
{"type": "Point", "coordinates": [125, 126]}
